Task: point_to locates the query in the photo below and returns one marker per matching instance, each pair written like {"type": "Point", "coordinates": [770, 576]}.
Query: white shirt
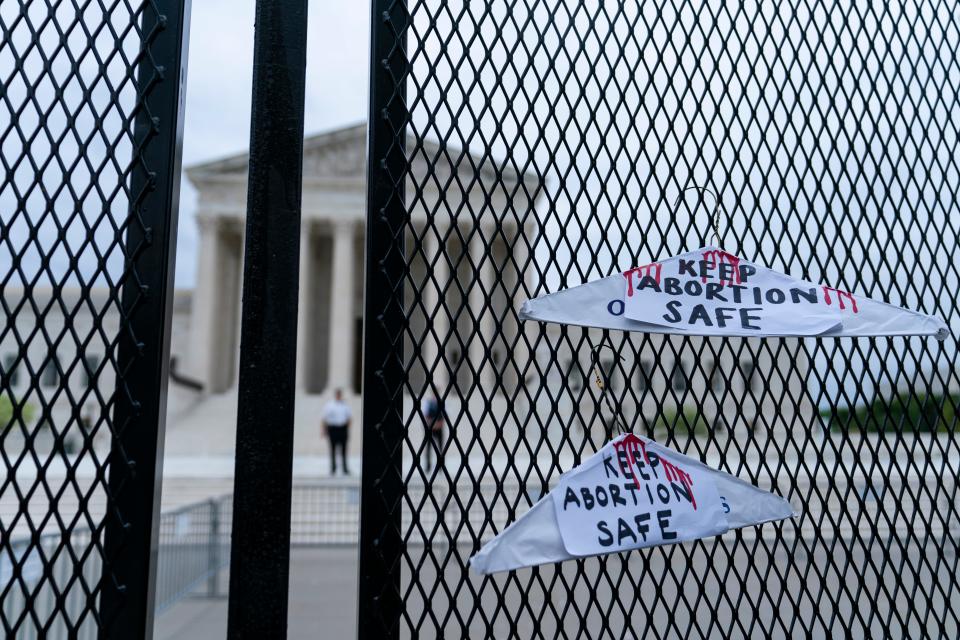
{"type": "Point", "coordinates": [336, 413]}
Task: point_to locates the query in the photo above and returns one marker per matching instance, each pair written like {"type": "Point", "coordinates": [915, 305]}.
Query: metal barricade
{"type": "Point", "coordinates": [517, 149]}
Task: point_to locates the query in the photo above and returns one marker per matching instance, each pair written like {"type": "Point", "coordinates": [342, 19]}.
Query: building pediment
{"type": "Point", "coordinates": [335, 154]}
{"type": "Point", "coordinates": [341, 155]}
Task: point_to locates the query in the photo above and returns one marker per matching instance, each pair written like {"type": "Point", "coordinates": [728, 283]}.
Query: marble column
{"type": "Point", "coordinates": [305, 338]}
{"type": "Point", "coordinates": [480, 299]}
{"type": "Point", "coordinates": [203, 343]}
{"type": "Point", "coordinates": [342, 317]}
{"type": "Point", "coordinates": [437, 371]}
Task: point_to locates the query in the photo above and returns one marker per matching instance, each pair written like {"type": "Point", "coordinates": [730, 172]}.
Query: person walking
{"type": "Point", "coordinates": [434, 421]}
{"type": "Point", "coordinates": [336, 422]}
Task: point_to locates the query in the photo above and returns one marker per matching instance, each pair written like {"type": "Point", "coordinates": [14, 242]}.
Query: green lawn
{"type": "Point", "coordinates": [7, 412]}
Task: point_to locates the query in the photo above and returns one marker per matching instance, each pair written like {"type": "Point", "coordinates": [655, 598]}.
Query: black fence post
{"type": "Point", "coordinates": [380, 605]}
{"type": "Point", "coordinates": [131, 524]}
{"type": "Point", "coordinates": [260, 554]}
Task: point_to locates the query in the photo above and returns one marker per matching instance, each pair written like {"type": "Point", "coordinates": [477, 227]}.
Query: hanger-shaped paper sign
{"type": "Point", "coordinates": [715, 293]}
{"type": "Point", "coordinates": [631, 494]}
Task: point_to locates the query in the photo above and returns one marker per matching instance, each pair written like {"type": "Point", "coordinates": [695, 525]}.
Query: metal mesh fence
{"type": "Point", "coordinates": [520, 148]}
{"type": "Point", "coordinates": [40, 601]}
{"type": "Point", "coordinates": [89, 110]}
{"type": "Point", "coordinates": [193, 547]}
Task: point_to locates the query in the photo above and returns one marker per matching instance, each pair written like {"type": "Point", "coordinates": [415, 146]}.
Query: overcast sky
{"type": "Point", "coordinates": [218, 88]}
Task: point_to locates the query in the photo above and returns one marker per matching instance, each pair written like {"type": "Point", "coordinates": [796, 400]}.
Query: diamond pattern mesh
{"type": "Point", "coordinates": [543, 145]}
{"type": "Point", "coordinates": [76, 80]}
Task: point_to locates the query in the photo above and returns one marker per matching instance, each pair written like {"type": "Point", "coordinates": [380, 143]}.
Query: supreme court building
{"type": "Point", "coordinates": [470, 271]}
{"type": "Point", "coordinates": [332, 266]}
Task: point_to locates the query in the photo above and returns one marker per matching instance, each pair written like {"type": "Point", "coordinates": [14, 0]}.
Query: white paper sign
{"type": "Point", "coordinates": [712, 292]}
{"type": "Point", "coordinates": [633, 494]}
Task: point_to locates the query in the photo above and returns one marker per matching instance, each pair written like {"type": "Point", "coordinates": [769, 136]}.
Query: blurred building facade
{"type": "Point", "coordinates": [469, 270]}
{"type": "Point", "coordinates": [330, 321]}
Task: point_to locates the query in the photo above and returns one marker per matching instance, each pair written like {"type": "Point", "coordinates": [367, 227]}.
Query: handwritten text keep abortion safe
{"type": "Point", "coordinates": [634, 497]}
{"type": "Point", "coordinates": [719, 291]}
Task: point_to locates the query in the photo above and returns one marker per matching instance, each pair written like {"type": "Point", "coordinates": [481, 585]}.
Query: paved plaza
{"type": "Point", "coordinates": [323, 584]}
{"type": "Point", "coordinates": [323, 602]}
{"type": "Point", "coordinates": [838, 494]}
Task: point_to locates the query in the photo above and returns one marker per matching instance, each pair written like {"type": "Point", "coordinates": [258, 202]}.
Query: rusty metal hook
{"type": "Point", "coordinates": [602, 383]}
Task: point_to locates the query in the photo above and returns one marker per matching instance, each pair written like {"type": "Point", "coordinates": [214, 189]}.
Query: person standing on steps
{"type": "Point", "coordinates": [336, 422]}
{"type": "Point", "coordinates": [434, 422]}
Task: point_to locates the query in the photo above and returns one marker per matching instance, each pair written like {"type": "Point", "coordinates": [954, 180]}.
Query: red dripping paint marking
{"type": "Point", "coordinates": [841, 294]}
{"type": "Point", "coordinates": [636, 449]}
{"type": "Point", "coordinates": [675, 474]}
{"type": "Point", "coordinates": [651, 270]}
{"type": "Point", "coordinates": [715, 257]}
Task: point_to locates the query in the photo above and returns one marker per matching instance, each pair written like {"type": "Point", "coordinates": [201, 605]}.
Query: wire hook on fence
{"type": "Point", "coordinates": [603, 383]}
{"type": "Point", "coordinates": [715, 221]}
